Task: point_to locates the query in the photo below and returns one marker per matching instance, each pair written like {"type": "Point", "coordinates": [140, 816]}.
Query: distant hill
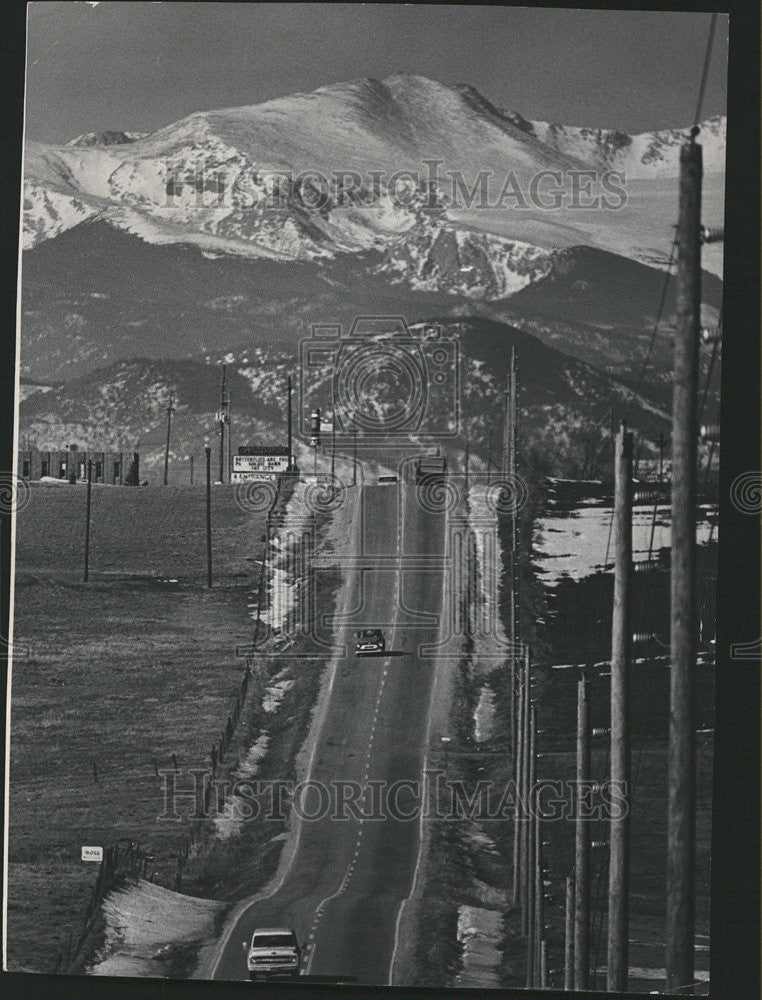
{"type": "Point", "coordinates": [564, 402]}
{"type": "Point", "coordinates": [96, 294]}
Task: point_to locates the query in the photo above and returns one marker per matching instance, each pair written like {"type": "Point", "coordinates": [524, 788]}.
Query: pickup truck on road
{"type": "Point", "coordinates": [273, 951]}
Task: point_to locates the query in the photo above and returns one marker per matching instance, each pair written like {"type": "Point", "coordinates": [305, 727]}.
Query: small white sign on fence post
{"type": "Point", "coordinates": [92, 854]}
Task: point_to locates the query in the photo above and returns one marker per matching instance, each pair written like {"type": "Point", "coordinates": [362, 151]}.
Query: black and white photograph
{"type": "Point", "coordinates": [365, 497]}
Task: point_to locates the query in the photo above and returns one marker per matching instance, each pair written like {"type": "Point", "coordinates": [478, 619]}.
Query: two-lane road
{"type": "Point", "coordinates": [349, 874]}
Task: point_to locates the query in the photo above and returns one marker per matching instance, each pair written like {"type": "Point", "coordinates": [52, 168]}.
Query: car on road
{"type": "Point", "coordinates": [274, 951]}
{"type": "Point", "coordinates": [369, 641]}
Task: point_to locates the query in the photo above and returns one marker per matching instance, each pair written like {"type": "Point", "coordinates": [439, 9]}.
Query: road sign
{"type": "Point", "coordinates": [92, 854]}
{"type": "Point", "coordinates": [260, 463]}
{"type": "Point", "coordinates": [263, 449]}
{"type": "Point", "coordinates": [256, 477]}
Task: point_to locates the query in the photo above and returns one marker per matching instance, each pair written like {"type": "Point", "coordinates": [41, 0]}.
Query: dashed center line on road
{"type": "Point", "coordinates": [310, 948]}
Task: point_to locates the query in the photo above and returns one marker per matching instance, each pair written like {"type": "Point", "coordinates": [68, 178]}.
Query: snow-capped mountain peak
{"type": "Point", "coordinates": [354, 166]}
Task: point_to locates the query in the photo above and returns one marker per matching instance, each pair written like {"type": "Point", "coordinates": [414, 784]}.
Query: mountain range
{"type": "Point", "coordinates": [355, 166]}
{"type": "Point", "coordinates": [234, 231]}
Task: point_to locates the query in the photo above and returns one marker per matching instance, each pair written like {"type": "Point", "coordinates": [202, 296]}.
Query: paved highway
{"type": "Point", "coordinates": [348, 877]}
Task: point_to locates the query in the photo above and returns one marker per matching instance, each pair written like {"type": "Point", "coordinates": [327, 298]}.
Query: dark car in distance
{"type": "Point", "coordinates": [369, 642]}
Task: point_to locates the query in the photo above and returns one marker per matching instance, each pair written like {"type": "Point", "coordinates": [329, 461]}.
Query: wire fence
{"type": "Point", "coordinates": [127, 861]}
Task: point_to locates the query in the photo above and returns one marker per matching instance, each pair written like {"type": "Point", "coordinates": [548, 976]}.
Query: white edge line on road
{"type": "Point", "coordinates": [419, 858]}
{"type": "Point", "coordinates": [273, 887]}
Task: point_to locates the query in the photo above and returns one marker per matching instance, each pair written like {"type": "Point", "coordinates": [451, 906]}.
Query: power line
{"type": "Point", "coordinates": [705, 71]}
{"type": "Point", "coordinates": [654, 332]}
{"type": "Point", "coordinates": [710, 371]}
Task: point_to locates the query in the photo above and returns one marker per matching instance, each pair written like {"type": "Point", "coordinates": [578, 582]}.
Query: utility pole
{"type": "Point", "coordinates": [354, 456]}
{"type": "Point", "coordinates": [531, 858]}
{"type": "Point", "coordinates": [513, 402]}
{"type": "Point", "coordinates": [222, 427]}
{"type": "Point", "coordinates": [621, 640]}
{"type": "Point", "coordinates": [87, 520]}
{"type": "Point", "coordinates": [514, 602]}
{"type": "Point", "coordinates": [544, 964]}
{"type": "Point", "coordinates": [524, 786]}
{"type": "Point", "coordinates": [582, 842]}
{"type": "Point", "coordinates": [465, 466]}
{"type": "Point", "coordinates": [513, 721]}
{"type": "Point", "coordinates": [333, 446]}
{"type": "Point", "coordinates": [229, 420]}
{"type": "Point", "coordinates": [208, 451]}
{"type": "Point", "coordinates": [518, 778]}
{"type": "Point", "coordinates": [569, 935]}
{"type": "Point", "coordinates": [170, 411]}
{"type": "Point", "coordinates": [507, 431]}
{"type": "Point", "coordinates": [681, 813]}
{"type": "Point", "coordinates": [511, 473]}
{"type": "Point", "coordinates": [315, 424]}
{"type": "Point", "coordinates": [289, 390]}
{"type": "Point", "coordinates": [538, 907]}
{"type": "Point", "coordinates": [191, 470]}
{"type": "Point", "coordinates": [489, 452]}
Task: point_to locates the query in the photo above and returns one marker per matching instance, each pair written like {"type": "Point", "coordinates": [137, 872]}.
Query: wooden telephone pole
{"type": "Point", "coordinates": [289, 430]}
{"type": "Point", "coordinates": [333, 446]}
{"type": "Point", "coordinates": [569, 935]}
{"type": "Point", "coordinates": [681, 813]}
{"type": "Point", "coordinates": [208, 453]}
{"type": "Point", "coordinates": [531, 855]}
{"type": "Point", "coordinates": [170, 411]}
{"type": "Point", "coordinates": [519, 752]}
{"type": "Point", "coordinates": [525, 778]}
{"type": "Point", "coordinates": [229, 421]}
{"type": "Point", "coordinates": [222, 427]}
{"type": "Point", "coordinates": [514, 609]}
{"type": "Point", "coordinates": [621, 640]}
{"type": "Point", "coordinates": [582, 842]}
{"type": "Point", "coordinates": [86, 575]}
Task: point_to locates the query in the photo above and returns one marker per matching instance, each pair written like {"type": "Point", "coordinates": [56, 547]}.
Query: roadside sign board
{"type": "Point", "coordinates": [92, 854]}
{"type": "Point", "coordinates": [263, 449]}
{"type": "Point", "coordinates": [263, 459]}
{"type": "Point", "coordinates": [256, 477]}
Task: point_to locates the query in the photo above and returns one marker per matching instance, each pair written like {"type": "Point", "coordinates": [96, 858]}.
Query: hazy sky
{"type": "Point", "coordinates": [138, 66]}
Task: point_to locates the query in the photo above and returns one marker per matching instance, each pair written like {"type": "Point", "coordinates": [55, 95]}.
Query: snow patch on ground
{"type": "Point", "coordinates": [574, 545]}
{"type": "Point", "coordinates": [275, 693]}
{"type": "Point", "coordinates": [491, 644]}
{"type": "Point", "coordinates": [145, 922]}
{"type": "Point", "coordinates": [229, 822]}
{"type": "Point", "coordinates": [484, 714]}
{"type": "Point", "coordinates": [479, 933]}
{"type": "Point", "coordinates": [284, 569]}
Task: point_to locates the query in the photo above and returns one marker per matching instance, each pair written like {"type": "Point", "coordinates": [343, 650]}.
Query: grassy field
{"type": "Point", "coordinates": [110, 679]}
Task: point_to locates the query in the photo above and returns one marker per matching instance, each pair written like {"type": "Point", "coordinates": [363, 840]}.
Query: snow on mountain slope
{"type": "Point", "coordinates": [107, 138]}
{"type": "Point", "coordinates": [48, 212]}
{"type": "Point", "coordinates": [646, 155]}
{"type": "Point", "coordinates": [312, 176]}
{"type": "Point", "coordinates": [477, 265]}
